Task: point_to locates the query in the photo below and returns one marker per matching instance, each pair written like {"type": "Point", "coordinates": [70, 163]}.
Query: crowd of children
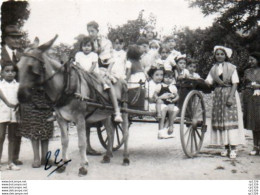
{"type": "Point", "coordinates": [157, 64]}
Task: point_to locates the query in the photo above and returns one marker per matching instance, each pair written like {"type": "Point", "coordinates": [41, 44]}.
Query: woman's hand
{"type": "Point", "coordinates": [229, 101]}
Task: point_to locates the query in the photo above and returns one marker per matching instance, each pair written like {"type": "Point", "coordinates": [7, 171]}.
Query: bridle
{"type": "Point", "coordinates": [43, 79]}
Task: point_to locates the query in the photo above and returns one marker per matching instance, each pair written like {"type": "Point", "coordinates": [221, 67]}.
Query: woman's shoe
{"type": "Point", "coordinates": [224, 153]}
{"type": "Point", "coordinates": [255, 151]}
{"type": "Point", "coordinates": [36, 164]}
{"type": "Point", "coordinates": [233, 154]}
{"type": "Point", "coordinates": [13, 167]}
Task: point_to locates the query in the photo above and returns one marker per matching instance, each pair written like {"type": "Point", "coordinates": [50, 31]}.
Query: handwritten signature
{"type": "Point", "coordinates": [56, 154]}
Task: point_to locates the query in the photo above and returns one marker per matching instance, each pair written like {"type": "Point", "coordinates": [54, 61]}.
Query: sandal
{"type": "Point", "coordinates": [233, 154]}
{"type": "Point", "coordinates": [224, 153]}
{"type": "Point", "coordinates": [118, 118]}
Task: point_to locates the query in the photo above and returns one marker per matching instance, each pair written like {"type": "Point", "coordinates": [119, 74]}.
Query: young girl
{"type": "Point", "coordinates": [166, 96]}
{"type": "Point", "coordinates": [171, 43]}
{"type": "Point", "coordinates": [156, 74]}
{"type": "Point", "coordinates": [8, 89]}
{"type": "Point", "coordinates": [88, 60]}
{"type": "Point", "coordinates": [227, 127]}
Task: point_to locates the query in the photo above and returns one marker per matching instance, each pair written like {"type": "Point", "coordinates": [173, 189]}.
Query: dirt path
{"type": "Point", "coordinates": [150, 159]}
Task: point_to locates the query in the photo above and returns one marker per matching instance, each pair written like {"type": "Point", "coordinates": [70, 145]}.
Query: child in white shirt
{"type": "Point", "coordinates": [8, 100]}
{"type": "Point", "coordinates": [192, 67]}
{"type": "Point", "coordinates": [120, 62]}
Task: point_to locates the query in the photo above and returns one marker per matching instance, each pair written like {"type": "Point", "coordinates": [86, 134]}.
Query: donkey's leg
{"type": "Point", "coordinates": [110, 128]}
{"type": "Point", "coordinates": [82, 143]}
{"type": "Point", "coordinates": [90, 150]}
{"type": "Point", "coordinates": [64, 142]}
{"type": "Point", "coordinates": [125, 125]}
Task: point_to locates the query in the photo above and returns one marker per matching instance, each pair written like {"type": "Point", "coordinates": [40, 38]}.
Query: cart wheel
{"type": "Point", "coordinates": [118, 139]}
{"type": "Point", "coordinates": [193, 123]}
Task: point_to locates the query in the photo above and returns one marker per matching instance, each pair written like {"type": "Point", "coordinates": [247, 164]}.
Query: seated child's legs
{"type": "Point", "coordinates": [173, 111]}
{"type": "Point", "coordinates": [113, 97]}
{"type": "Point", "coordinates": [163, 116]}
{"type": "Point", "coordinates": [159, 102]}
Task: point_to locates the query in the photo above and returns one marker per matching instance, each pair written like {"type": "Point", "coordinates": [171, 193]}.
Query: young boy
{"type": "Point", "coordinates": [192, 67]}
{"type": "Point", "coordinates": [8, 89]}
{"type": "Point", "coordinates": [145, 60]}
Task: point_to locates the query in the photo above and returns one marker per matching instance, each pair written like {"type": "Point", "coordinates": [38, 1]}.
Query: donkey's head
{"type": "Point", "coordinates": [31, 68]}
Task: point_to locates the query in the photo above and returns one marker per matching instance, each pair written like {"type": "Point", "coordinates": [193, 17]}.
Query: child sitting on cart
{"type": "Point", "coordinates": [166, 96]}
{"type": "Point", "coordinates": [192, 67]}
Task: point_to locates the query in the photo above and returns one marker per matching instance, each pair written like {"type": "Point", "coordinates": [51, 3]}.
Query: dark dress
{"type": "Point", "coordinates": [33, 116]}
{"type": "Point", "coordinates": [251, 103]}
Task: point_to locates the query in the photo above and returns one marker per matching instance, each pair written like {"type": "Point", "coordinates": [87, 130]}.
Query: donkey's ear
{"type": "Point", "coordinates": [44, 47]}
{"type": "Point", "coordinates": [35, 43]}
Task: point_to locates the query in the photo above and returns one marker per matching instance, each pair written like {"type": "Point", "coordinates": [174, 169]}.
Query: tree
{"type": "Point", "coordinates": [131, 30]}
{"type": "Point", "coordinates": [233, 15]}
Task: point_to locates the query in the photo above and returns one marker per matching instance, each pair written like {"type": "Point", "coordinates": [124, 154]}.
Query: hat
{"type": "Point", "coordinates": [93, 24]}
{"type": "Point", "coordinates": [227, 50]}
{"type": "Point", "coordinates": [12, 30]}
{"type": "Point", "coordinates": [181, 56]}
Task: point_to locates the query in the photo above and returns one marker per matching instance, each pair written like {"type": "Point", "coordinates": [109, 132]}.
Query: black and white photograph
{"type": "Point", "coordinates": [130, 90]}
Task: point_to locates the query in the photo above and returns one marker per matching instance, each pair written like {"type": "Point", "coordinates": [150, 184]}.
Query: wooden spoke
{"type": "Point", "coordinates": [188, 140]}
{"type": "Point", "coordinates": [198, 134]}
{"type": "Point", "coordinates": [106, 140]}
{"type": "Point", "coordinates": [103, 129]}
{"type": "Point", "coordinates": [188, 129]}
{"type": "Point", "coordinates": [191, 144]}
{"type": "Point", "coordinates": [195, 141]}
{"type": "Point", "coordinates": [117, 136]}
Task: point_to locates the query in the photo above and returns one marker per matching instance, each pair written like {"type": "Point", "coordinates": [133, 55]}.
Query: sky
{"type": "Point", "coordinates": [68, 18]}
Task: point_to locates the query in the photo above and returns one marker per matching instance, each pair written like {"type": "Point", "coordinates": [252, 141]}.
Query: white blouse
{"type": "Point", "coordinates": [234, 77]}
{"type": "Point", "coordinates": [86, 61]}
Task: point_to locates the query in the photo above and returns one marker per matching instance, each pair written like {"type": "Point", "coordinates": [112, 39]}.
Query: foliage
{"type": "Point", "coordinates": [233, 15]}
{"type": "Point", "coordinates": [61, 52]}
{"type": "Point", "coordinates": [131, 31]}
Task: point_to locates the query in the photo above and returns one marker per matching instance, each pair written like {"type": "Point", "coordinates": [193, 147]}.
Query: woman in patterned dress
{"type": "Point", "coordinates": [34, 124]}
{"type": "Point", "coordinates": [227, 127]}
{"type": "Point", "coordinates": [251, 100]}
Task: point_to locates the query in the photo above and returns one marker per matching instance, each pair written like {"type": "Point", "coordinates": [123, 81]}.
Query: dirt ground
{"type": "Point", "coordinates": [150, 159]}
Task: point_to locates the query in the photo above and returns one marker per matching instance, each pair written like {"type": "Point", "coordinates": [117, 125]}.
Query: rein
{"type": "Point", "coordinates": [42, 63]}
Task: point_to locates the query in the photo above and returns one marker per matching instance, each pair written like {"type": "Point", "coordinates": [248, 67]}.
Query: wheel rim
{"type": "Point", "coordinates": [193, 123]}
{"type": "Point", "coordinates": [118, 137]}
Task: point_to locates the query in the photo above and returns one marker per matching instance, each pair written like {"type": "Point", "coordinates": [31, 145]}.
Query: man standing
{"type": "Point", "coordinates": [11, 55]}
{"type": "Point", "coordinates": [11, 45]}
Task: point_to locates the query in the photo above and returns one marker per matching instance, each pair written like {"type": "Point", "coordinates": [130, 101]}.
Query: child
{"type": "Point", "coordinates": [164, 52]}
{"type": "Point", "coordinates": [226, 117]}
{"type": "Point", "coordinates": [156, 75]}
{"type": "Point", "coordinates": [135, 72]}
{"type": "Point", "coordinates": [180, 70]}
{"type": "Point", "coordinates": [148, 56]}
{"type": "Point", "coordinates": [119, 67]}
{"type": "Point", "coordinates": [166, 96]}
{"type": "Point", "coordinates": [9, 89]}
{"type": "Point", "coordinates": [88, 60]}
{"type": "Point", "coordinates": [192, 67]}
{"type": "Point", "coordinates": [171, 43]}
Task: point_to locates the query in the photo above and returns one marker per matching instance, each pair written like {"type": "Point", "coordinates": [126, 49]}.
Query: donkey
{"type": "Point", "coordinates": [37, 69]}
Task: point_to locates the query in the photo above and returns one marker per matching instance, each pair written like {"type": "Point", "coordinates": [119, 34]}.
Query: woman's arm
{"type": "Point", "coordinates": [231, 95]}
